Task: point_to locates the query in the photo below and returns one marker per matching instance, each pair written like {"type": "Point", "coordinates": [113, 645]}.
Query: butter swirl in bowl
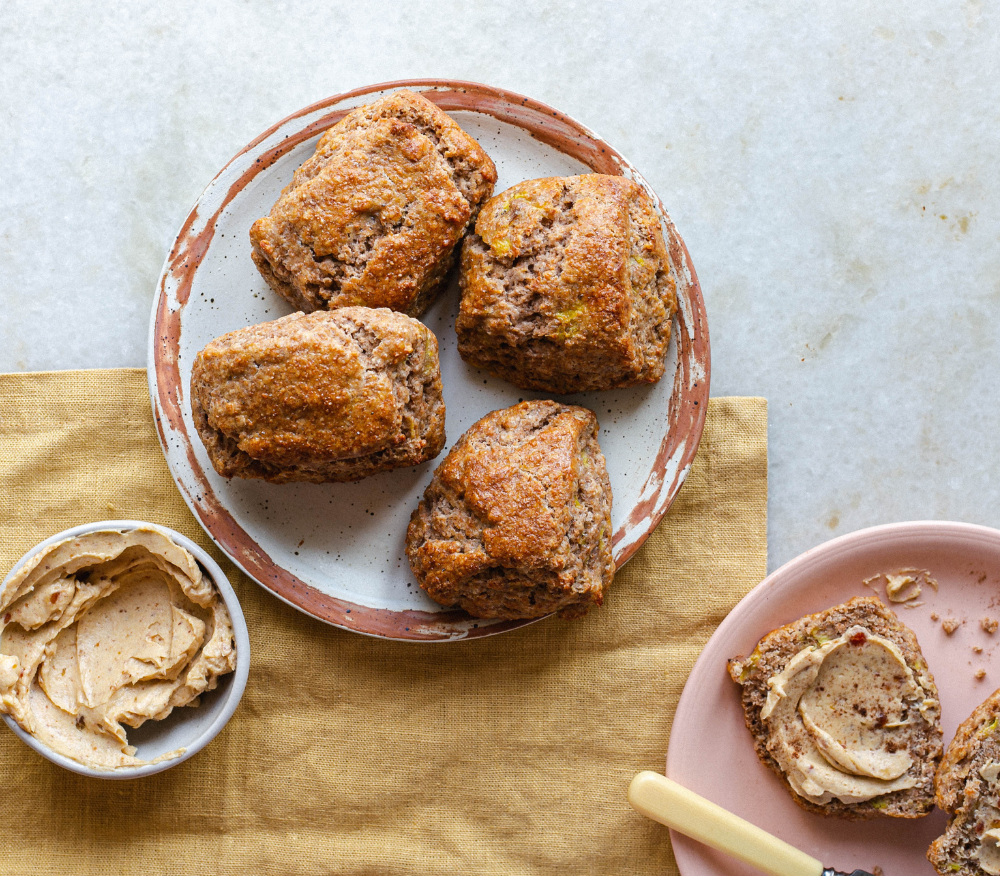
{"type": "Point", "coordinates": [119, 624]}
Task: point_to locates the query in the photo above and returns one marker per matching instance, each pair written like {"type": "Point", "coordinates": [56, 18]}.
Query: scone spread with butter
{"type": "Point", "coordinates": [968, 789]}
{"type": "Point", "coordinates": [329, 396]}
{"type": "Point", "coordinates": [106, 629]}
{"type": "Point", "coordinates": [374, 216]}
{"type": "Point", "coordinates": [567, 286]}
{"type": "Point", "coordinates": [516, 522]}
{"type": "Point", "coordinates": [841, 705]}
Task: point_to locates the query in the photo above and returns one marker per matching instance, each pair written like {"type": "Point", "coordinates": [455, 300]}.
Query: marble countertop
{"type": "Point", "coordinates": [834, 168]}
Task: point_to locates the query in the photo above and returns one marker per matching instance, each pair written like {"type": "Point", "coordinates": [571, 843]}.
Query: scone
{"type": "Point", "coordinates": [516, 522]}
{"type": "Point", "coordinates": [330, 396]}
{"type": "Point", "coordinates": [374, 217]}
{"type": "Point", "coordinates": [567, 287]}
{"type": "Point", "coordinates": [842, 707]}
{"type": "Point", "coordinates": [968, 789]}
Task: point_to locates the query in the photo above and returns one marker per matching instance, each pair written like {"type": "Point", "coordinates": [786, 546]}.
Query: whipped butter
{"type": "Point", "coordinates": [105, 630]}
{"type": "Point", "coordinates": [836, 714]}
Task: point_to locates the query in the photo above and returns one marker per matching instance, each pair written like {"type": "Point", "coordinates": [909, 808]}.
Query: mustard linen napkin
{"type": "Point", "coordinates": [350, 755]}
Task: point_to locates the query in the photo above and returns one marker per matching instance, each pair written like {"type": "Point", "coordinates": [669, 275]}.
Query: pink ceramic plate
{"type": "Point", "coordinates": [711, 751]}
{"type": "Point", "coordinates": [335, 551]}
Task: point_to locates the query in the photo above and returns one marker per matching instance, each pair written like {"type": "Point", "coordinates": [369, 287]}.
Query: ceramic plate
{"type": "Point", "coordinates": [711, 751]}
{"type": "Point", "coordinates": [336, 550]}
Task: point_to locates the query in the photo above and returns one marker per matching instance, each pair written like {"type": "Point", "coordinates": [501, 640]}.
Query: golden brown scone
{"type": "Point", "coordinates": [842, 707]}
{"type": "Point", "coordinates": [329, 396]}
{"type": "Point", "coordinates": [516, 522]}
{"type": "Point", "coordinates": [969, 791]}
{"type": "Point", "coordinates": [374, 216]}
{"type": "Point", "coordinates": [567, 286]}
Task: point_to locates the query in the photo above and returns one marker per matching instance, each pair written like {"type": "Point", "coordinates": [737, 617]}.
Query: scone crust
{"type": "Point", "coordinates": [328, 396]}
{"type": "Point", "coordinates": [959, 786]}
{"type": "Point", "coordinates": [374, 216]}
{"type": "Point", "coordinates": [567, 287]}
{"type": "Point", "coordinates": [775, 650]}
{"type": "Point", "coordinates": [962, 750]}
{"type": "Point", "coordinates": [516, 522]}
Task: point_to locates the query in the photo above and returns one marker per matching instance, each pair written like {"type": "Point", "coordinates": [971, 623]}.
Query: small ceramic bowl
{"type": "Point", "coordinates": [190, 729]}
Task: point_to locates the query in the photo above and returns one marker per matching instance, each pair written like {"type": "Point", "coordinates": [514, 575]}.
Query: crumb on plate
{"type": "Point", "coordinates": [902, 586]}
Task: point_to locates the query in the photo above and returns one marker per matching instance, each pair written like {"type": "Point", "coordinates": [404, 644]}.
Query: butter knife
{"type": "Point", "coordinates": [665, 801]}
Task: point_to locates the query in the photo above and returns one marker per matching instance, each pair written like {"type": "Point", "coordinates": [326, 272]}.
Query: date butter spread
{"type": "Point", "coordinates": [837, 716]}
{"type": "Point", "coordinates": [107, 629]}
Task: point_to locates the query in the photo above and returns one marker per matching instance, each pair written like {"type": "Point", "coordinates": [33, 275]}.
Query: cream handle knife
{"type": "Point", "coordinates": [665, 801]}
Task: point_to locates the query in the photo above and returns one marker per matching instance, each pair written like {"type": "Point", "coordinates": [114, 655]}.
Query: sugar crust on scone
{"type": "Point", "coordinates": [374, 216]}
{"type": "Point", "coordinates": [328, 396]}
{"type": "Point", "coordinates": [567, 286]}
{"type": "Point", "coordinates": [516, 522]}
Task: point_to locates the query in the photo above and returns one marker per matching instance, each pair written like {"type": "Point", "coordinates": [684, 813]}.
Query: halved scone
{"type": "Point", "coordinates": [968, 789]}
{"type": "Point", "coordinates": [842, 707]}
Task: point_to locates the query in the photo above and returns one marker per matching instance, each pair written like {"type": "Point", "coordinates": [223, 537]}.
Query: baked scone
{"type": "Point", "coordinates": [842, 707]}
{"type": "Point", "coordinates": [968, 789]}
{"type": "Point", "coordinates": [567, 286]}
{"type": "Point", "coordinates": [516, 522]}
{"type": "Point", "coordinates": [373, 218]}
{"type": "Point", "coordinates": [329, 396]}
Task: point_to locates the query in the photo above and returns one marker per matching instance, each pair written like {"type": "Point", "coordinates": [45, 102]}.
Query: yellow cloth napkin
{"type": "Point", "coordinates": [351, 755]}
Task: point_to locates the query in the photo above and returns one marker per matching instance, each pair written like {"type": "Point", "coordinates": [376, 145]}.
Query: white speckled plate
{"type": "Point", "coordinates": [711, 751]}
{"type": "Point", "coordinates": [336, 550]}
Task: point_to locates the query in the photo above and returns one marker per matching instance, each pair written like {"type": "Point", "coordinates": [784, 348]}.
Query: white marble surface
{"type": "Point", "coordinates": [833, 166]}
